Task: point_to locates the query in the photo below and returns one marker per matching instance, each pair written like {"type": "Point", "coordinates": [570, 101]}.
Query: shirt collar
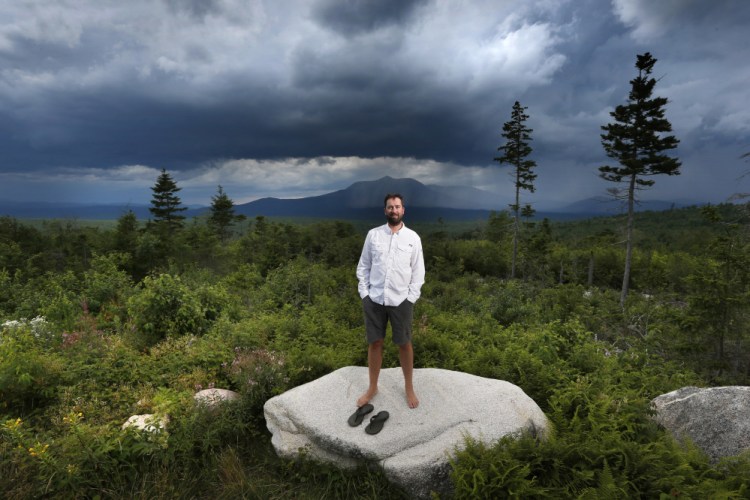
{"type": "Point", "coordinates": [387, 228]}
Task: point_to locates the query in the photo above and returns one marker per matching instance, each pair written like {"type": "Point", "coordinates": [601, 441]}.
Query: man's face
{"type": "Point", "coordinates": [394, 211]}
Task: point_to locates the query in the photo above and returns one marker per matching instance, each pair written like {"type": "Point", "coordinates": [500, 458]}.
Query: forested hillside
{"type": "Point", "coordinates": [102, 323]}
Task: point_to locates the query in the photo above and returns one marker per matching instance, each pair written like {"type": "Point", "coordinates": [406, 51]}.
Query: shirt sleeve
{"type": "Point", "coordinates": [363, 268]}
{"type": "Point", "coordinates": [417, 273]}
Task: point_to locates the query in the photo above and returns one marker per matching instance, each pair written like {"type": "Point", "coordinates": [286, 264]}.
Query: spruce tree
{"type": "Point", "coordinates": [637, 140]}
{"type": "Point", "coordinates": [166, 206]}
{"type": "Point", "coordinates": [222, 214]}
{"type": "Point", "coordinates": [126, 233]}
{"type": "Point", "coordinates": [515, 153]}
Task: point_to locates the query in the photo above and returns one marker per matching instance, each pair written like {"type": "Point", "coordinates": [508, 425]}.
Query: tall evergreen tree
{"type": "Point", "coordinates": [515, 153]}
{"type": "Point", "coordinates": [126, 233]}
{"type": "Point", "coordinates": [222, 214]}
{"type": "Point", "coordinates": [166, 206]}
{"type": "Point", "coordinates": [637, 140]}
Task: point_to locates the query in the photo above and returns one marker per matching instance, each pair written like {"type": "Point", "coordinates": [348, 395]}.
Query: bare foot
{"type": "Point", "coordinates": [366, 397]}
{"type": "Point", "coordinates": [411, 398]}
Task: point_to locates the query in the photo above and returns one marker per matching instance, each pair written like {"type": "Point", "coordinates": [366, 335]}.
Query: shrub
{"type": "Point", "coordinates": [29, 370]}
{"type": "Point", "coordinates": [512, 303]}
{"type": "Point", "coordinates": [258, 374]}
{"type": "Point", "coordinates": [106, 286]}
{"type": "Point", "coordinates": [54, 296]}
{"type": "Point", "coordinates": [164, 306]}
{"type": "Point", "coordinates": [189, 362]}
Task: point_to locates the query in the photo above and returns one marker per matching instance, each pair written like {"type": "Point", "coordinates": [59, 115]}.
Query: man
{"type": "Point", "coordinates": [391, 275]}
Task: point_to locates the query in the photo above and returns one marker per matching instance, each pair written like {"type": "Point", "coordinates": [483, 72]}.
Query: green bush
{"type": "Point", "coordinates": [55, 296]}
{"type": "Point", "coordinates": [258, 374]}
{"type": "Point", "coordinates": [164, 306]}
{"type": "Point", "coordinates": [30, 370]}
{"type": "Point", "coordinates": [512, 303]}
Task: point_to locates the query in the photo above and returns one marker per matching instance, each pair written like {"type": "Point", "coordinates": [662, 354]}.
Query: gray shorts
{"type": "Point", "coordinates": [377, 317]}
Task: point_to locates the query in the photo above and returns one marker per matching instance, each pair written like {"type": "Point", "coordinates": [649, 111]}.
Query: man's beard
{"type": "Point", "coordinates": [394, 220]}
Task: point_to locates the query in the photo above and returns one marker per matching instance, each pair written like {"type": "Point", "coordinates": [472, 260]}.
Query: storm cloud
{"type": "Point", "coordinates": [294, 98]}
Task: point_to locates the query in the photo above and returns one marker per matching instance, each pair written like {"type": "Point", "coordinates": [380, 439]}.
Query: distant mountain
{"type": "Point", "coordinates": [364, 200]}
{"type": "Point", "coordinates": [360, 201]}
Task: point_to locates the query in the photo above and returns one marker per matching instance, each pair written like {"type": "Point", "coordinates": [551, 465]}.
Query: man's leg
{"type": "Point", "coordinates": [374, 362]}
{"type": "Point", "coordinates": [401, 319]}
{"type": "Point", "coordinates": [406, 357]}
{"type": "Point", "coordinates": [375, 324]}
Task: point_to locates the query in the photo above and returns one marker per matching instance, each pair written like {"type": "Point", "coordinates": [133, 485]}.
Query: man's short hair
{"type": "Point", "coordinates": [394, 195]}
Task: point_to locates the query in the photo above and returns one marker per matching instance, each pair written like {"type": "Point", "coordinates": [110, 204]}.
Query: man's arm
{"type": "Point", "coordinates": [417, 274]}
{"type": "Point", "coordinates": [363, 269]}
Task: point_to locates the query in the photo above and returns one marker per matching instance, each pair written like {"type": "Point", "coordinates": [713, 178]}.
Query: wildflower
{"type": "Point", "coordinates": [39, 326]}
{"type": "Point", "coordinates": [39, 450]}
{"type": "Point", "coordinates": [73, 418]}
{"type": "Point", "coordinates": [12, 324]}
{"type": "Point", "coordinates": [12, 425]}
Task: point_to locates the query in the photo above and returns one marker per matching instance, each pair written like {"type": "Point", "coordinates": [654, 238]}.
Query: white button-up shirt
{"type": "Point", "coordinates": [391, 267]}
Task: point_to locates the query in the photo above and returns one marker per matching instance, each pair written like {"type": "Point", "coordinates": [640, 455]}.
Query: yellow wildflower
{"type": "Point", "coordinates": [73, 418]}
{"type": "Point", "coordinates": [39, 450]}
{"type": "Point", "coordinates": [12, 425]}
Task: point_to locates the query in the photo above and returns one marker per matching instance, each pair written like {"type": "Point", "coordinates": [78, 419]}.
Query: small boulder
{"type": "Point", "coordinates": [716, 419]}
{"type": "Point", "coordinates": [214, 397]}
{"type": "Point", "coordinates": [415, 445]}
{"type": "Point", "coordinates": [147, 422]}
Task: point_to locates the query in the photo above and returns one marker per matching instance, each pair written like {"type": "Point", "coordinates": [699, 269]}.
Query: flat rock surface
{"type": "Point", "coordinates": [716, 419]}
{"type": "Point", "coordinates": [415, 444]}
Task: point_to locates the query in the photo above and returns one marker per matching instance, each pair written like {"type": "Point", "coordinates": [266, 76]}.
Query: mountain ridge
{"type": "Point", "coordinates": [362, 200]}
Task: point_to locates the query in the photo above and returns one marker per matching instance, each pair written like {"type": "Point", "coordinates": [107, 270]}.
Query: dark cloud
{"type": "Point", "coordinates": [198, 9]}
{"type": "Point", "coordinates": [353, 17]}
{"type": "Point", "coordinates": [184, 84]}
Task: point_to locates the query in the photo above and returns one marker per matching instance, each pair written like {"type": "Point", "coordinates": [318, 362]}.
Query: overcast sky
{"type": "Point", "coordinates": [292, 98]}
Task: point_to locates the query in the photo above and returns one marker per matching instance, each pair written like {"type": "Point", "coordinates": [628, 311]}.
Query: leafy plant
{"type": "Point", "coordinates": [164, 306]}
{"type": "Point", "coordinates": [29, 370]}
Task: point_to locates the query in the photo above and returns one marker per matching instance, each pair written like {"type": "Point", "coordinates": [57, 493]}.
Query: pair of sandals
{"type": "Point", "coordinates": [376, 422]}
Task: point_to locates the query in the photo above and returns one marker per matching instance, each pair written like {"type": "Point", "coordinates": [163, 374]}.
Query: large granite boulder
{"type": "Point", "coordinates": [415, 445]}
{"type": "Point", "coordinates": [717, 419]}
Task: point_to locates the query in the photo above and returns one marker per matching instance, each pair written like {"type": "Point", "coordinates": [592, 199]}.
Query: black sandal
{"type": "Point", "coordinates": [359, 415]}
{"type": "Point", "coordinates": [377, 422]}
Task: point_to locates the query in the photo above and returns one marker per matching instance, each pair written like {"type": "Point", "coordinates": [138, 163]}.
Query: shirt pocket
{"type": "Point", "coordinates": [403, 256]}
{"type": "Point", "coordinates": [378, 252]}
